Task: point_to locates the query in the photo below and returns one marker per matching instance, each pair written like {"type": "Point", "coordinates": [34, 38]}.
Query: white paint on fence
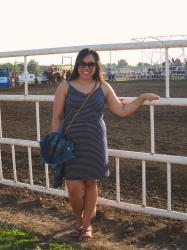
{"type": "Point", "coordinates": [102, 47]}
{"type": "Point", "coordinates": [169, 159]}
{"type": "Point", "coordinates": [117, 180]}
{"type": "Point", "coordinates": [141, 156]}
{"type": "Point", "coordinates": [152, 127]}
{"type": "Point", "coordinates": [144, 183]}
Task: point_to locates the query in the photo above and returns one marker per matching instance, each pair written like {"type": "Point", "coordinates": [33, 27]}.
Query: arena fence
{"type": "Point", "coordinates": [127, 73]}
{"type": "Point", "coordinates": [141, 156]}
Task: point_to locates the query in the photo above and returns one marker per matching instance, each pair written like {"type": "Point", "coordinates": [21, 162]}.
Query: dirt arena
{"type": "Point", "coordinates": [50, 217]}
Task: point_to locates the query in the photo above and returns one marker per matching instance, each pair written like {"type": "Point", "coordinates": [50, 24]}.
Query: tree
{"type": "Point", "coordinates": [108, 65]}
{"type": "Point", "coordinates": [33, 67]}
{"type": "Point", "coordinates": [8, 65]}
{"type": "Point", "coordinates": [122, 62]}
{"type": "Point", "coordinates": [141, 64]}
{"type": "Point", "coordinates": [43, 68]}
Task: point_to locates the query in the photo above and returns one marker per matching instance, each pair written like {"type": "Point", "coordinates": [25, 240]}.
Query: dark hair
{"type": "Point", "coordinates": [81, 55]}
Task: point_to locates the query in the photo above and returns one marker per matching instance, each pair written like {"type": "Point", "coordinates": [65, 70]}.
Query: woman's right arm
{"type": "Point", "coordinates": [125, 108]}
{"type": "Point", "coordinates": [58, 106]}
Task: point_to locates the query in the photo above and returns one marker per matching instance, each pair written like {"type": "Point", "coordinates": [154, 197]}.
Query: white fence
{"type": "Point", "coordinates": [141, 156]}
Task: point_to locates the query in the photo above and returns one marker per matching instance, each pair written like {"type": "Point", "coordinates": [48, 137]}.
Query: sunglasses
{"type": "Point", "coordinates": [89, 64]}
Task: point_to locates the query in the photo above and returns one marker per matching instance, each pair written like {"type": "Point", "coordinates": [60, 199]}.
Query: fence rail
{"type": "Point", "coordinates": [141, 156]}
{"type": "Point", "coordinates": [118, 154]}
{"type": "Point", "coordinates": [103, 47]}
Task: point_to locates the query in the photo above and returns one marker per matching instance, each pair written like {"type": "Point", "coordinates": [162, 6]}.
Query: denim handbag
{"type": "Point", "coordinates": [55, 149]}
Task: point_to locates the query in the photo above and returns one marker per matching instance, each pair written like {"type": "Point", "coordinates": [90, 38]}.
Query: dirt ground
{"type": "Point", "coordinates": [50, 216]}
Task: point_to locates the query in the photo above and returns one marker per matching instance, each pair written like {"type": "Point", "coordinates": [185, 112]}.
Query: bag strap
{"type": "Point", "coordinates": [81, 107]}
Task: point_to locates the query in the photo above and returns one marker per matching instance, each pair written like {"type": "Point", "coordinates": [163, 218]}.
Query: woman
{"type": "Point", "coordinates": [88, 132]}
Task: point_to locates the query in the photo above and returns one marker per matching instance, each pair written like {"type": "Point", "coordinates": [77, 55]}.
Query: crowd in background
{"type": "Point", "coordinates": [177, 69]}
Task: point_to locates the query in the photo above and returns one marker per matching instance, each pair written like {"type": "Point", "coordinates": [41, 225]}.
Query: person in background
{"type": "Point", "coordinates": [88, 133]}
{"type": "Point", "coordinates": [109, 75]}
{"type": "Point", "coordinates": [50, 74]}
{"type": "Point", "coordinates": [68, 74]}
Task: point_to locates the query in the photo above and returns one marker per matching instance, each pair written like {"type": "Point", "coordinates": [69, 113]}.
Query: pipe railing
{"type": "Point", "coordinates": [142, 156]}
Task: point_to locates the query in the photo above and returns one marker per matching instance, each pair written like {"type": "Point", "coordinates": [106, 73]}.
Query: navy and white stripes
{"type": "Point", "coordinates": [88, 132]}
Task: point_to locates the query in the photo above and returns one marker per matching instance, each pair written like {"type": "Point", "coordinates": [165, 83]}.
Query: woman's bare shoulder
{"type": "Point", "coordinates": [105, 87]}
{"type": "Point", "coordinates": [63, 87]}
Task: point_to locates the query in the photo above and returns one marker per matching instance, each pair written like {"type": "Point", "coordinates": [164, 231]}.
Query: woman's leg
{"type": "Point", "coordinates": [90, 201]}
{"type": "Point", "coordinates": [76, 195]}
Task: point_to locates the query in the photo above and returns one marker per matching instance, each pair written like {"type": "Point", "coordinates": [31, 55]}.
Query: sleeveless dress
{"type": "Point", "coordinates": [88, 133]}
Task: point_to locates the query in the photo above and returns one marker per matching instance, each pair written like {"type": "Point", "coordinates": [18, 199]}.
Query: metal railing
{"type": "Point", "coordinates": [141, 156]}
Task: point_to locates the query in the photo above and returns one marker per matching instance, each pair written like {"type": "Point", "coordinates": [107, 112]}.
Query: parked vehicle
{"type": "Point", "coordinates": [4, 77]}
{"type": "Point", "coordinates": [21, 78]}
{"type": "Point", "coordinates": [42, 78]}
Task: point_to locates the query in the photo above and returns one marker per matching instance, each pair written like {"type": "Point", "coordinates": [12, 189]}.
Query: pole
{"type": "Point", "coordinates": [167, 73]}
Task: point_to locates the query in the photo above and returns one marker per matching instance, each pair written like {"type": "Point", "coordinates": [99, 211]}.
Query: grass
{"type": "Point", "coordinates": [14, 239]}
{"type": "Point", "coordinates": [17, 240]}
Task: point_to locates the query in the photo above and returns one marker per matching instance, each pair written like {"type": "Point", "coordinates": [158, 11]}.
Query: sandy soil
{"type": "Point", "coordinates": [51, 217]}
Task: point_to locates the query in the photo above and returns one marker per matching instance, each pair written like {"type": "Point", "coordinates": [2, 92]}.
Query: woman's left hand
{"type": "Point", "coordinates": [149, 97]}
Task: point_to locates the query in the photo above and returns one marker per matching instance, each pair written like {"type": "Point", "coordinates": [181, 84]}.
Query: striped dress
{"type": "Point", "coordinates": [88, 132]}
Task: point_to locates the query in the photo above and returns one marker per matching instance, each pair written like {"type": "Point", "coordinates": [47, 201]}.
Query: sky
{"type": "Point", "coordinates": [35, 24]}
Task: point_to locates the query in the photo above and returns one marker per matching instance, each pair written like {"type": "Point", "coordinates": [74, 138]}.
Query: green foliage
{"type": "Point", "coordinates": [141, 64]}
{"type": "Point", "coordinates": [57, 246]}
{"type": "Point", "coordinates": [18, 67]}
{"type": "Point", "coordinates": [64, 246]}
{"type": "Point", "coordinates": [16, 240]}
{"type": "Point", "coordinates": [108, 65]}
{"type": "Point", "coordinates": [8, 65]}
{"type": "Point", "coordinates": [122, 62]}
{"type": "Point", "coordinates": [33, 67]}
{"type": "Point", "coordinates": [43, 68]}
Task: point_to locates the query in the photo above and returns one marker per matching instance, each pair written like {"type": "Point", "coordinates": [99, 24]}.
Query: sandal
{"type": "Point", "coordinates": [76, 232]}
{"type": "Point", "coordinates": [86, 234]}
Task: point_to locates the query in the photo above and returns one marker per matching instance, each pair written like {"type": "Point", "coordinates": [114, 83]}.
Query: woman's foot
{"type": "Point", "coordinates": [76, 232]}
{"type": "Point", "coordinates": [86, 234]}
